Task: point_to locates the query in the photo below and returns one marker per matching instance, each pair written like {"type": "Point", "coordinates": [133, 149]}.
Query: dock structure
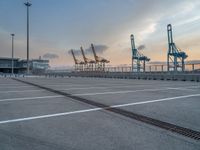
{"type": "Point", "coordinates": [175, 60]}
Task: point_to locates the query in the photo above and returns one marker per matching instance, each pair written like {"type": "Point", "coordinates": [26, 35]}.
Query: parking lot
{"type": "Point", "coordinates": [33, 117]}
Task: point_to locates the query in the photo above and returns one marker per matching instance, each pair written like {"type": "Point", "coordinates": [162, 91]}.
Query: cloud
{"type": "Point", "coordinates": [50, 56]}
{"type": "Point", "coordinates": [141, 47]}
{"type": "Point", "coordinates": [100, 49]}
{"type": "Point", "coordinates": [188, 21]}
{"type": "Point", "coordinates": [76, 52]}
{"type": "Point", "coordinates": [151, 28]}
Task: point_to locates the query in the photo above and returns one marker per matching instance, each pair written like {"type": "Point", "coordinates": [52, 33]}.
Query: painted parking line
{"type": "Point", "coordinates": [182, 89]}
{"type": "Point", "coordinates": [24, 86]}
{"type": "Point", "coordinates": [95, 109]}
{"type": "Point", "coordinates": [129, 91]}
{"type": "Point", "coordinates": [51, 85]}
{"type": "Point", "coordinates": [75, 88]}
{"type": "Point", "coordinates": [83, 94]}
{"type": "Point", "coordinates": [21, 91]}
{"type": "Point", "coordinates": [15, 87]}
{"type": "Point", "coordinates": [94, 87]}
{"type": "Point", "coordinates": [49, 116]}
{"type": "Point", "coordinates": [101, 87]}
{"type": "Point", "coordinates": [30, 98]}
{"type": "Point", "coordinates": [157, 100]}
{"type": "Point", "coordinates": [10, 84]}
{"type": "Point", "coordinates": [116, 92]}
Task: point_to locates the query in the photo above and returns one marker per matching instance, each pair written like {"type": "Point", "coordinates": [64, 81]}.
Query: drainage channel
{"type": "Point", "coordinates": [151, 121]}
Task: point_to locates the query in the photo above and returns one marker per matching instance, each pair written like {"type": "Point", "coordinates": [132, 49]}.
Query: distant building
{"type": "Point", "coordinates": [36, 65]}
{"type": "Point", "coordinates": [6, 65]}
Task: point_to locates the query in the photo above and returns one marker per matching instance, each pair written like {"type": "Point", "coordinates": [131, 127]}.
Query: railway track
{"type": "Point", "coordinates": [151, 121]}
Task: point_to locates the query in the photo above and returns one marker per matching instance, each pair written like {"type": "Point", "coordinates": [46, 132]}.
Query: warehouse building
{"type": "Point", "coordinates": [36, 65]}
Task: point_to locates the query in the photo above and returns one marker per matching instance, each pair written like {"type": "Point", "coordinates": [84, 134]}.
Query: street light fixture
{"type": "Point", "coordinates": [28, 4]}
{"type": "Point", "coordinates": [12, 52]}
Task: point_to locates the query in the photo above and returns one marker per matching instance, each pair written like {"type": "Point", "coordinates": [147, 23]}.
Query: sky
{"type": "Point", "coordinates": [58, 26]}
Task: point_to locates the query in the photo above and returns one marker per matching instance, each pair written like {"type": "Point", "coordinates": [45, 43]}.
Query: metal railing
{"type": "Point", "coordinates": [149, 68]}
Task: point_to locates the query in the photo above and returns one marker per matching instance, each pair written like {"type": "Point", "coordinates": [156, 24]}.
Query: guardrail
{"type": "Point", "coordinates": [155, 72]}
{"type": "Point", "coordinates": [153, 68]}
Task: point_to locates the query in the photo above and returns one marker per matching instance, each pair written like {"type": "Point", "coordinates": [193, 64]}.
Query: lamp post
{"type": "Point", "coordinates": [27, 4]}
{"type": "Point", "coordinates": [12, 52]}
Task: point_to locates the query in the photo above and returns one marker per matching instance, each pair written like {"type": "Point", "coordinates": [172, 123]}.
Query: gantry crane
{"type": "Point", "coordinates": [89, 63]}
{"type": "Point", "coordinates": [175, 57]}
{"type": "Point", "coordinates": [78, 64]}
{"type": "Point", "coordinates": [100, 62]}
{"type": "Point", "coordinates": [138, 59]}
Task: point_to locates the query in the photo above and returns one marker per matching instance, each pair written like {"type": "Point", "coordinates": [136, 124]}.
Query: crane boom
{"type": "Point", "coordinates": [95, 55]}
{"type": "Point", "coordinates": [134, 50]}
{"type": "Point", "coordinates": [84, 58]}
{"type": "Point", "coordinates": [132, 41]}
{"type": "Point", "coordinates": [75, 60]}
{"type": "Point", "coordinates": [170, 36]}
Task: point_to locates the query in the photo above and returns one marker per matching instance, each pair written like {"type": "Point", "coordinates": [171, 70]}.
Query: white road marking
{"type": "Point", "coordinates": [186, 87]}
{"type": "Point", "coordinates": [50, 115]}
{"type": "Point", "coordinates": [54, 85]}
{"type": "Point", "coordinates": [23, 86]}
{"type": "Point", "coordinates": [51, 85]}
{"type": "Point", "coordinates": [133, 91]}
{"type": "Point", "coordinates": [82, 88]}
{"type": "Point", "coordinates": [189, 88]}
{"type": "Point", "coordinates": [183, 89]}
{"type": "Point", "coordinates": [157, 100]}
{"type": "Point", "coordinates": [59, 89]}
{"type": "Point", "coordinates": [21, 91]}
{"type": "Point", "coordinates": [29, 98]}
{"type": "Point", "coordinates": [100, 87]}
{"type": "Point", "coordinates": [78, 88]}
{"type": "Point", "coordinates": [90, 94]}
{"type": "Point", "coordinates": [16, 87]}
{"type": "Point", "coordinates": [119, 92]}
{"type": "Point", "coordinates": [9, 84]}
{"type": "Point", "coordinates": [95, 109]}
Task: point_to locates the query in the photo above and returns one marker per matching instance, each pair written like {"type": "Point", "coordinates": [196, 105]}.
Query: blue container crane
{"type": "Point", "coordinates": [175, 57]}
{"type": "Point", "coordinates": [138, 59]}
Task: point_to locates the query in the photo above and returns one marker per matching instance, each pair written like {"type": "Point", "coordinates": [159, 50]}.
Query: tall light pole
{"type": "Point", "coordinates": [28, 4]}
{"type": "Point", "coordinates": [12, 52]}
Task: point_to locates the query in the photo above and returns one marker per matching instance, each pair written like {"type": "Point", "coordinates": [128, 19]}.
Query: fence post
{"type": "Point", "coordinates": [192, 67]}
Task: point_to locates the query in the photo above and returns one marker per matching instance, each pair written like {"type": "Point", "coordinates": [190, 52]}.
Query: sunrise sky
{"type": "Point", "coordinates": [57, 26]}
